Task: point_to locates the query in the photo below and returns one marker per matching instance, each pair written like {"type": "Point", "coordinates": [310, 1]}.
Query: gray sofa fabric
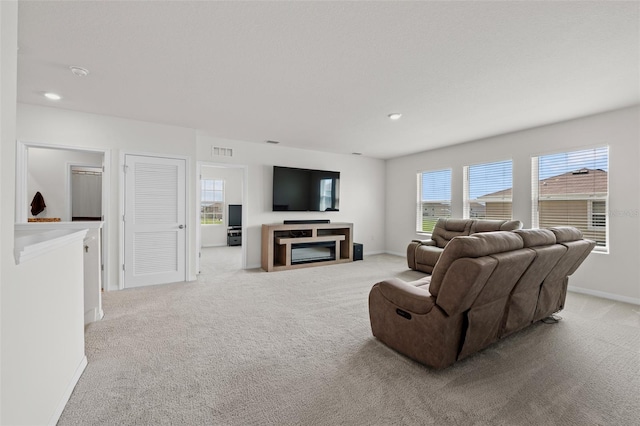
{"type": "Point", "coordinates": [422, 255]}
{"type": "Point", "coordinates": [484, 287]}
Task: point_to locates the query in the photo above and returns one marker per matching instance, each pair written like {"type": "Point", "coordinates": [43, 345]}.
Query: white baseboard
{"type": "Point", "coordinates": [394, 253]}
{"type": "Point", "coordinates": [604, 295]}
{"type": "Point", "coordinates": [67, 393]}
{"type": "Point", "coordinates": [93, 315]}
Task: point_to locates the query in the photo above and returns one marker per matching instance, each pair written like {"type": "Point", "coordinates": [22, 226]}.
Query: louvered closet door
{"type": "Point", "coordinates": [154, 221]}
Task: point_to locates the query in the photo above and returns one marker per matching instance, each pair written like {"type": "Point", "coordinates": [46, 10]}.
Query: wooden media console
{"type": "Point", "coordinates": [301, 245]}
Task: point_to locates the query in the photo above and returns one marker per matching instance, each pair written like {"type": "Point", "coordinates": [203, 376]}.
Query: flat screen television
{"type": "Point", "coordinates": [305, 190]}
{"type": "Point", "coordinates": [235, 215]}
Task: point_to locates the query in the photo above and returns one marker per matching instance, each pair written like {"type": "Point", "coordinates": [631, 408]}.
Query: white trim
{"type": "Point", "coordinates": [51, 226]}
{"type": "Point", "coordinates": [373, 253]}
{"type": "Point", "coordinates": [93, 315]}
{"type": "Point", "coordinates": [575, 197]}
{"type": "Point", "coordinates": [604, 295]}
{"type": "Point", "coordinates": [121, 220]}
{"type": "Point", "coordinates": [31, 246]}
{"type": "Point", "coordinates": [22, 162]}
{"type": "Point", "coordinates": [67, 393]}
{"type": "Point", "coordinates": [590, 214]}
{"type": "Point", "coordinates": [466, 200]}
{"type": "Point", "coordinates": [420, 202]}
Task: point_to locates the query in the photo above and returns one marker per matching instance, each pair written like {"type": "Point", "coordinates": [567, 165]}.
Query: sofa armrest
{"type": "Point", "coordinates": [425, 242]}
{"type": "Point", "coordinates": [413, 299]}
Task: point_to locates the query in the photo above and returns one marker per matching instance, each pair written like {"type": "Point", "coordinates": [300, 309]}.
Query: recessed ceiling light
{"type": "Point", "coordinates": [394, 115]}
{"type": "Point", "coordinates": [52, 96]}
{"type": "Point", "coordinates": [79, 71]}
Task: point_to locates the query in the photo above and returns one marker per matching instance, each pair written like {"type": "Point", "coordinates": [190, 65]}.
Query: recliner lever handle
{"type": "Point", "coordinates": [403, 314]}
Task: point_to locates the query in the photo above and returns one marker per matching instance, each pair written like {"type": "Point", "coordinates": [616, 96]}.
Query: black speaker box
{"type": "Point", "coordinates": [304, 221]}
{"type": "Point", "coordinates": [357, 251]}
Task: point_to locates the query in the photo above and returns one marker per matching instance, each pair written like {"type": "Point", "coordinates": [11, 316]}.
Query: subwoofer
{"type": "Point", "coordinates": [357, 251]}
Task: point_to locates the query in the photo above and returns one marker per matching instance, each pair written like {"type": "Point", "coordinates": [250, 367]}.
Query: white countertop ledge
{"type": "Point", "coordinates": [41, 226]}
{"type": "Point", "coordinates": [30, 245]}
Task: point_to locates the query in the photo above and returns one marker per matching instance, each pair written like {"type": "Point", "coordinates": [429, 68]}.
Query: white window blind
{"type": "Point", "coordinates": [212, 202]}
{"type": "Point", "coordinates": [488, 190]}
{"type": "Point", "coordinates": [434, 198]}
{"type": "Point", "coordinates": [572, 188]}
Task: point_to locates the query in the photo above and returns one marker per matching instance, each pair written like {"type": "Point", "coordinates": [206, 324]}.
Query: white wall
{"type": "Point", "coordinates": [48, 173]}
{"type": "Point", "coordinates": [216, 235]}
{"type": "Point", "coordinates": [362, 183]}
{"type": "Point", "coordinates": [614, 275]}
{"type": "Point", "coordinates": [41, 318]}
{"type": "Point", "coordinates": [362, 179]}
{"type": "Point", "coordinates": [43, 343]}
{"type": "Point", "coordinates": [42, 125]}
{"type": "Point", "coordinates": [8, 87]}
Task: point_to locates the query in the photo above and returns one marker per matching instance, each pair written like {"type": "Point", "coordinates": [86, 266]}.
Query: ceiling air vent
{"type": "Point", "coordinates": [217, 151]}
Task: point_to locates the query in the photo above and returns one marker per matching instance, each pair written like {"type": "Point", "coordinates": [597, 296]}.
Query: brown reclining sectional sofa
{"type": "Point", "coordinates": [422, 255]}
{"type": "Point", "coordinates": [483, 288]}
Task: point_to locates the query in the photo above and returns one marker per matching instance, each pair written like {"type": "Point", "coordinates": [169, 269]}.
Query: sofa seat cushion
{"type": "Point", "coordinates": [412, 298]}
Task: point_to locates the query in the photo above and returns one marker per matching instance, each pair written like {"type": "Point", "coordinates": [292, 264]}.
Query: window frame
{"type": "Point", "coordinates": [466, 200]}
{"type": "Point", "coordinates": [205, 215]}
{"type": "Point", "coordinates": [590, 222]}
{"type": "Point", "coordinates": [589, 198]}
{"type": "Point", "coordinates": [420, 202]}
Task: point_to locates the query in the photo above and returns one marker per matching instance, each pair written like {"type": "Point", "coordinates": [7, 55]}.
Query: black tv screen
{"type": "Point", "coordinates": [305, 190]}
{"type": "Point", "coordinates": [235, 215]}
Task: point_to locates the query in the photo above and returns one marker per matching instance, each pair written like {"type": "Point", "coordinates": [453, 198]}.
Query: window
{"type": "Point", "coordinates": [598, 215]}
{"type": "Point", "coordinates": [434, 198]}
{"type": "Point", "coordinates": [326, 194]}
{"type": "Point", "coordinates": [212, 202]}
{"type": "Point", "coordinates": [572, 188]}
{"type": "Point", "coordinates": [487, 190]}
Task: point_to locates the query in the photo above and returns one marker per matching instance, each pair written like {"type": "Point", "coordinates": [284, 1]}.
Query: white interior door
{"type": "Point", "coordinates": [154, 220]}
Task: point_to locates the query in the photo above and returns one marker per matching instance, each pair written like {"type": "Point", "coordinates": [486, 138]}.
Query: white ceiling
{"type": "Point", "coordinates": [324, 75]}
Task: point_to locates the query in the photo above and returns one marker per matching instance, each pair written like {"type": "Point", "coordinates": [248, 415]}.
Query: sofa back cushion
{"type": "Point", "coordinates": [536, 237]}
{"type": "Point", "coordinates": [554, 287]}
{"type": "Point", "coordinates": [473, 246]}
{"type": "Point", "coordinates": [486, 313]}
{"type": "Point", "coordinates": [487, 225]}
{"type": "Point", "coordinates": [447, 229]}
{"type": "Point", "coordinates": [524, 296]}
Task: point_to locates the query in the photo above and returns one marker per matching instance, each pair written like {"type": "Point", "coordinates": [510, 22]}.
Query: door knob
{"type": "Point", "coordinates": [181, 226]}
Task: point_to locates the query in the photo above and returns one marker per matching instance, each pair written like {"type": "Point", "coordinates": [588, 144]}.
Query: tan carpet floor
{"type": "Point", "coordinates": [295, 348]}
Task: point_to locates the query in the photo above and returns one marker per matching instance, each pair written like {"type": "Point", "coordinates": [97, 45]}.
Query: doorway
{"type": "Point", "coordinates": [85, 194]}
{"type": "Point", "coordinates": [225, 236]}
{"type": "Point", "coordinates": [45, 168]}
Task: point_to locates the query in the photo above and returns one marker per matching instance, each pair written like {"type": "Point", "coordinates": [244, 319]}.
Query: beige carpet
{"type": "Point", "coordinates": [295, 348]}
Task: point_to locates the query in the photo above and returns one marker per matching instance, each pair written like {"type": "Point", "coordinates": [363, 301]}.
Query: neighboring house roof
{"type": "Point", "coordinates": [582, 181]}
